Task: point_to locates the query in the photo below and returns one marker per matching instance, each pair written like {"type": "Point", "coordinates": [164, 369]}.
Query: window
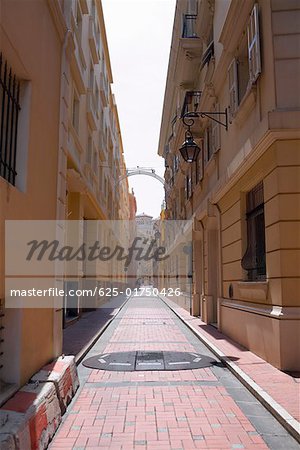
{"type": "Point", "coordinates": [208, 149]}
{"type": "Point", "coordinates": [246, 67]}
{"type": "Point", "coordinates": [175, 164]}
{"type": "Point", "coordinates": [89, 151]}
{"type": "Point", "coordinates": [93, 9]}
{"type": "Point", "coordinates": [216, 131]}
{"type": "Point", "coordinates": [75, 112]}
{"type": "Point", "coordinates": [95, 161]}
{"type": "Point", "coordinates": [100, 177]}
{"type": "Point", "coordinates": [97, 97]}
{"type": "Point", "coordinates": [9, 117]}
{"type": "Point", "coordinates": [188, 184]}
{"type": "Point", "coordinates": [194, 173]}
{"type": "Point", "coordinates": [254, 259]}
{"type": "Point", "coordinates": [254, 45]}
{"type": "Point", "coordinates": [78, 24]}
{"type": "Point", "coordinates": [92, 78]}
{"type": "Point", "coordinates": [209, 52]}
{"type": "Point", "coordinates": [199, 167]}
{"type": "Point", "coordinates": [233, 88]}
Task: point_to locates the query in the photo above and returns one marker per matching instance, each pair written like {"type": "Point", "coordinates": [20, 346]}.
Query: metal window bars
{"type": "Point", "coordinates": [9, 116]}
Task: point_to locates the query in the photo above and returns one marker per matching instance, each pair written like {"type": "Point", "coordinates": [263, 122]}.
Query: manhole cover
{"type": "Point", "coordinates": [140, 360]}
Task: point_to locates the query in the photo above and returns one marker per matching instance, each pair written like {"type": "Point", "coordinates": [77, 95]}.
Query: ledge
{"type": "Point", "coordinates": [271, 311]}
{"type": "Point", "coordinates": [252, 290]}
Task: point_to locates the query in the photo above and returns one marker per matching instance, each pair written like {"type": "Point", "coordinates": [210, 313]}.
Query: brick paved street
{"type": "Point", "coordinates": [154, 410]}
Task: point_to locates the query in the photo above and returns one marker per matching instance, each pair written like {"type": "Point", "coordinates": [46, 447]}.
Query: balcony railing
{"type": "Point", "coordinates": [189, 26]}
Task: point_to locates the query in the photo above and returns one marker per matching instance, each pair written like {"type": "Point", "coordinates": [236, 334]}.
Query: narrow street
{"type": "Point", "coordinates": [142, 408]}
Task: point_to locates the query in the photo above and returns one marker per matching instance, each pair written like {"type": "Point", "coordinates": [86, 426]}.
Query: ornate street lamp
{"type": "Point", "coordinates": [189, 149]}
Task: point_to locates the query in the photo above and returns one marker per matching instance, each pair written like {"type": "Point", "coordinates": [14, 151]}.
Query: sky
{"type": "Point", "coordinates": [139, 38]}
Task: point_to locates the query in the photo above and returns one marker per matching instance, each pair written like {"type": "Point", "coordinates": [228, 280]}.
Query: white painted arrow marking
{"type": "Point", "coordinates": [197, 359]}
{"type": "Point", "coordinates": [178, 362]}
{"type": "Point", "coordinates": [119, 364]}
{"type": "Point", "coordinates": [149, 363]}
{"type": "Point", "coordinates": [101, 360]}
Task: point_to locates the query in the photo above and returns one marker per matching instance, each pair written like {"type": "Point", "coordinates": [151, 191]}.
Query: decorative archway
{"type": "Point", "coordinates": [142, 171]}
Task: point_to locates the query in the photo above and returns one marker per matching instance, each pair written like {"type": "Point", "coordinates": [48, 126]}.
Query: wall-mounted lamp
{"type": "Point", "coordinates": [189, 149]}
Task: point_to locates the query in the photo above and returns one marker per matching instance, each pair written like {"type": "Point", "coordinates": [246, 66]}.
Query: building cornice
{"type": "Point", "coordinates": [271, 311]}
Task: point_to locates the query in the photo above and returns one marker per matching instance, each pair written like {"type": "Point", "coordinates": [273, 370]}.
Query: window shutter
{"type": "Point", "coordinates": [206, 144]}
{"type": "Point", "coordinates": [233, 88]}
{"type": "Point", "coordinates": [199, 163]}
{"type": "Point", "coordinates": [254, 45]}
{"type": "Point", "coordinates": [186, 187]}
{"type": "Point", "coordinates": [190, 188]}
{"type": "Point", "coordinates": [215, 132]}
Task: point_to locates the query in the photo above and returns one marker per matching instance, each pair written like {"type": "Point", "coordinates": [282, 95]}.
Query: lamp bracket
{"type": "Point", "coordinates": [188, 118]}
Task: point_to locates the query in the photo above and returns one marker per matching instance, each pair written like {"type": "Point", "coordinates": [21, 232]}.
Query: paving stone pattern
{"type": "Point", "coordinates": [204, 408]}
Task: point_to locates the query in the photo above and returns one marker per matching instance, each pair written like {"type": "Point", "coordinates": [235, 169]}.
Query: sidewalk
{"type": "Point", "coordinates": [276, 389]}
{"type": "Point", "coordinates": [163, 409]}
{"type": "Point", "coordinates": [79, 336]}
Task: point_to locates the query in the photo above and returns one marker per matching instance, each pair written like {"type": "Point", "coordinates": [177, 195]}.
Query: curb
{"type": "Point", "coordinates": [286, 420]}
{"type": "Point", "coordinates": [29, 419]}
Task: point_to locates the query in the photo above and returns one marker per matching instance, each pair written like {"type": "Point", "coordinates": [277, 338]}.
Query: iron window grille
{"type": "Point", "coordinates": [9, 116]}
{"type": "Point", "coordinates": [254, 259]}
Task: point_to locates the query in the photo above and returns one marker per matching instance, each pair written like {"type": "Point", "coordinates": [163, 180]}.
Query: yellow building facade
{"type": "Point", "coordinates": [68, 156]}
{"type": "Point", "coordinates": [31, 49]}
{"type": "Point", "coordinates": [91, 153]}
{"type": "Point", "coordinates": [238, 62]}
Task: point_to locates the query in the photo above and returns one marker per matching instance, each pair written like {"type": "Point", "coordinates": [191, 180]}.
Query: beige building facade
{"type": "Point", "coordinates": [31, 49]}
{"type": "Point", "coordinates": [238, 62]}
{"type": "Point", "coordinates": [61, 155]}
{"type": "Point", "coordinates": [91, 153]}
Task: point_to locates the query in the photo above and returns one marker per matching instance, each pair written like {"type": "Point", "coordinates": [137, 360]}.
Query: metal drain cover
{"type": "Point", "coordinates": [141, 360]}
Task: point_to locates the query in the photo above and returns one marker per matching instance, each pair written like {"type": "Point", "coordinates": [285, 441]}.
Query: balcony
{"type": "Point", "coordinates": [91, 110]}
{"type": "Point", "coordinates": [189, 52]}
{"type": "Point", "coordinates": [93, 41]}
{"type": "Point", "coordinates": [103, 91]}
{"type": "Point", "coordinates": [77, 65]}
{"type": "Point", "coordinates": [189, 26]}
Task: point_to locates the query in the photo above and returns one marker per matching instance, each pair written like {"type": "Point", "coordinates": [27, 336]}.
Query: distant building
{"type": "Point", "coordinates": [145, 231]}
